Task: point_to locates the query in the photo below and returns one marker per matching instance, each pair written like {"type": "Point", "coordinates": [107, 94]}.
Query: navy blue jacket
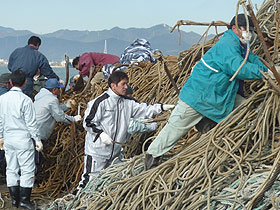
{"type": "Point", "coordinates": [29, 60]}
{"type": "Point", "coordinates": [3, 89]}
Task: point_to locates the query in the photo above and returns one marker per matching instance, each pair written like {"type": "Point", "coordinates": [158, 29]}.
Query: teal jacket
{"type": "Point", "coordinates": [208, 89]}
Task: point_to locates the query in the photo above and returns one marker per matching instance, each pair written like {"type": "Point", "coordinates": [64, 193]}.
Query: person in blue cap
{"type": "Point", "coordinates": [209, 92]}
{"type": "Point", "coordinates": [48, 111]}
{"type": "Point", "coordinates": [73, 80]}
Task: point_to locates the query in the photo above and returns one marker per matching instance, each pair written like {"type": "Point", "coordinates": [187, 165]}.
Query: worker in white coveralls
{"type": "Point", "coordinates": [17, 129]}
{"type": "Point", "coordinates": [106, 121]}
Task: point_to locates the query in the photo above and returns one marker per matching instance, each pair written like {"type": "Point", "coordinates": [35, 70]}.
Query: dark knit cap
{"type": "Point", "coordinates": [4, 78]}
{"type": "Point", "coordinates": [72, 82]}
{"type": "Point", "coordinates": [241, 21]}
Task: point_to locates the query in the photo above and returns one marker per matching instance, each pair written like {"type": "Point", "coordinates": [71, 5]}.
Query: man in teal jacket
{"type": "Point", "coordinates": [208, 91]}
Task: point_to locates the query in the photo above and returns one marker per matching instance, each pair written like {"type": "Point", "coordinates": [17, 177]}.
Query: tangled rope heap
{"type": "Point", "coordinates": [242, 149]}
{"type": "Point", "coordinates": [215, 170]}
{"type": "Point", "coordinates": [63, 165]}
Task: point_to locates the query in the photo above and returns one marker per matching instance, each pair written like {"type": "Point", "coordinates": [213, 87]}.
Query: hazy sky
{"type": "Point", "coordinates": [46, 16]}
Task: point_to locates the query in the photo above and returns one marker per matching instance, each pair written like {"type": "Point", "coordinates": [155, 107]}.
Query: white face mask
{"type": "Point", "coordinates": [246, 37]}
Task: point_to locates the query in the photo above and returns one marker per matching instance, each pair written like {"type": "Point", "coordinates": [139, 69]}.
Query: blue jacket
{"type": "Point", "coordinates": [29, 60]}
{"type": "Point", "coordinates": [208, 89]}
{"type": "Point", "coordinates": [3, 89]}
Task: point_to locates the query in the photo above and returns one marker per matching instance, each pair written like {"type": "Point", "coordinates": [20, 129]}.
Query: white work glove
{"type": "Point", "coordinates": [62, 82]}
{"type": "Point", "coordinates": [70, 102]}
{"type": "Point", "coordinates": [1, 143]}
{"type": "Point", "coordinates": [77, 118]}
{"type": "Point", "coordinates": [166, 107]}
{"type": "Point", "coordinates": [106, 139]}
{"type": "Point", "coordinates": [39, 145]}
{"type": "Point", "coordinates": [152, 126]}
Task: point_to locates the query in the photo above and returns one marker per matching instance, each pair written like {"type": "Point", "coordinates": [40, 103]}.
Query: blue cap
{"type": "Point", "coordinates": [53, 83]}
{"type": "Point", "coordinates": [72, 82]}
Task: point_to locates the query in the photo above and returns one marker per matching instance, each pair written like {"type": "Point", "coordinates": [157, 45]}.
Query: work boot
{"type": "Point", "coordinates": [150, 161]}
{"type": "Point", "coordinates": [24, 201]}
{"type": "Point", "coordinates": [205, 125]}
{"type": "Point", "coordinates": [14, 192]}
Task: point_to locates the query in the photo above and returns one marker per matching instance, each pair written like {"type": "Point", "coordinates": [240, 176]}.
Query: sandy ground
{"type": "Point", "coordinates": [4, 192]}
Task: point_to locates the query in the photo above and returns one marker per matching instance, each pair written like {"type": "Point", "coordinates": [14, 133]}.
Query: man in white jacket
{"type": "Point", "coordinates": [17, 129]}
{"type": "Point", "coordinates": [106, 121]}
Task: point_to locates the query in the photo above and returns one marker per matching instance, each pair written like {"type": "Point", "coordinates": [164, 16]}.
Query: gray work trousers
{"type": "Point", "coordinates": [181, 120]}
{"type": "Point", "coordinates": [19, 160]}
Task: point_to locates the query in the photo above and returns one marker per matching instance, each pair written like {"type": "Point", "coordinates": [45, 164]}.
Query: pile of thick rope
{"type": "Point", "coordinates": [63, 155]}
{"type": "Point", "coordinates": [215, 170]}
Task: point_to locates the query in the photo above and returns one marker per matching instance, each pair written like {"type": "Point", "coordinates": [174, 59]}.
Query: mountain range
{"type": "Point", "coordinates": [73, 42]}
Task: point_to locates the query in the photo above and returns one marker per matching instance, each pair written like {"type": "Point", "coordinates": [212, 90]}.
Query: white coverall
{"type": "Point", "coordinates": [17, 127]}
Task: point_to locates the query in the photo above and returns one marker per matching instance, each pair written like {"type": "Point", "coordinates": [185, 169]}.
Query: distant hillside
{"type": "Point", "coordinates": [5, 32]}
{"type": "Point", "coordinates": [74, 43]}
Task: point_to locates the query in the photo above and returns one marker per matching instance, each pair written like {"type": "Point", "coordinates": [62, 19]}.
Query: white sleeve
{"type": "Point", "coordinates": [57, 113]}
{"type": "Point", "coordinates": [30, 119]}
{"type": "Point", "coordinates": [144, 110]}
